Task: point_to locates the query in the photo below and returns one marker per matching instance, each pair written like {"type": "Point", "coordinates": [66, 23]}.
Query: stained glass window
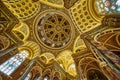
{"type": "Point", "coordinates": [13, 63]}
{"type": "Point", "coordinates": [107, 6]}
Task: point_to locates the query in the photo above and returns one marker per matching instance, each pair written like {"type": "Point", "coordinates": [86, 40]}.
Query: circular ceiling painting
{"type": "Point", "coordinates": [54, 29]}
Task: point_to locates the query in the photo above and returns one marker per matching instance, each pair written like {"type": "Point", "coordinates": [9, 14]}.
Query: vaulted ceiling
{"type": "Point", "coordinates": [52, 28]}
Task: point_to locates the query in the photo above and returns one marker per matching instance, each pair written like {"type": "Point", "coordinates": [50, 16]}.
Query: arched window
{"type": "Point", "coordinates": [13, 63]}
{"type": "Point", "coordinates": [107, 6]}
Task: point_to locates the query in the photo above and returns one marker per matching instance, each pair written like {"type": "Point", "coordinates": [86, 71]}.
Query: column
{"type": "Point", "coordinates": [8, 50]}
{"type": "Point", "coordinates": [27, 70]}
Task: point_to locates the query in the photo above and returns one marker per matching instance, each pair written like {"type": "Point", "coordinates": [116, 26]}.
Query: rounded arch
{"type": "Point", "coordinates": [65, 60]}
{"type": "Point", "coordinates": [56, 75]}
{"type": "Point", "coordinates": [44, 59]}
{"type": "Point", "coordinates": [27, 50]}
{"type": "Point", "coordinates": [93, 64]}
{"type": "Point", "coordinates": [36, 73]}
{"type": "Point", "coordinates": [22, 31]}
{"type": "Point", "coordinates": [87, 63]}
{"type": "Point", "coordinates": [91, 58]}
{"type": "Point", "coordinates": [61, 58]}
{"type": "Point", "coordinates": [32, 47]}
{"type": "Point", "coordinates": [47, 74]}
{"type": "Point", "coordinates": [92, 9]}
{"type": "Point", "coordinates": [47, 57]}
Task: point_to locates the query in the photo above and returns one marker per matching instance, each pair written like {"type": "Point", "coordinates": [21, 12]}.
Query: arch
{"type": "Point", "coordinates": [92, 9]}
{"type": "Point", "coordinates": [22, 31]}
{"type": "Point", "coordinates": [61, 57]}
{"type": "Point", "coordinates": [86, 63]}
{"type": "Point", "coordinates": [91, 64]}
{"type": "Point", "coordinates": [47, 57]}
{"type": "Point", "coordinates": [32, 47]}
{"type": "Point", "coordinates": [93, 74]}
{"type": "Point", "coordinates": [65, 60]}
{"type": "Point", "coordinates": [37, 72]}
{"type": "Point", "coordinates": [34, 74]}
{"type": "Point", "coordinates": [9, 66]}
{"type": "Point", "coordinates": [46, 74]}
{"type": "Point", "coordinates": [82, 60]}
{"type": "Point", "coordinates": [56, 75]}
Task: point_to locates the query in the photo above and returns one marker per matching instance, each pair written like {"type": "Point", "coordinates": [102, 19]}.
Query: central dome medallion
{"type": "Point", "coordinates": [54, 29]}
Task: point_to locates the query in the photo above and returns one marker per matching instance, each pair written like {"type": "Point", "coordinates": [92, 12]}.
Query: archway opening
{"type": "Point", "coordinates": [96, 75]}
